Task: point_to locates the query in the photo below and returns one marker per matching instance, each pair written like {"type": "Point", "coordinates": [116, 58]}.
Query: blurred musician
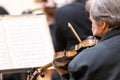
{"type": "Point", "coordinates": [3, 11]}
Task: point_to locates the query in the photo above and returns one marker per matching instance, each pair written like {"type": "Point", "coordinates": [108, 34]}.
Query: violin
{"type": "Point", "coordinates": [63, 58]}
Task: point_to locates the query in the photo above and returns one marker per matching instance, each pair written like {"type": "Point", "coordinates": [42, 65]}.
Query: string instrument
{"type": "Point", "coordinates": [63, 58]}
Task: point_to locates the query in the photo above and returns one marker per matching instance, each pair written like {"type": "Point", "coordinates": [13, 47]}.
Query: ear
{"type": "Point", "coordinates": [104, 25]}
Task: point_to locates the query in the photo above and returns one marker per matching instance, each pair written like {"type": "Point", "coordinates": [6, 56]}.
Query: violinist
{"type": "Point", "coordinates": [102, 61]}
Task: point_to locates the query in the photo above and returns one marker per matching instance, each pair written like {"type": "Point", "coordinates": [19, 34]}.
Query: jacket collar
{"type": "Point", "coordinates": [111, 33]}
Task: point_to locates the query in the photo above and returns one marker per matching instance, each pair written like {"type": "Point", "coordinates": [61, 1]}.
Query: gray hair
{"type": "Point", "coordinates": [105, 10]}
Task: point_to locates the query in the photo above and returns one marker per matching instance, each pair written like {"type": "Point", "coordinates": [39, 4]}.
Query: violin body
{"type": "Point", "coordinates": [65, 58]}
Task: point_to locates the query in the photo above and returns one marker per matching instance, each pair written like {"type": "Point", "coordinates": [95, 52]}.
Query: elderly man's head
{"type": "Point", "coordinates": [104, 14]}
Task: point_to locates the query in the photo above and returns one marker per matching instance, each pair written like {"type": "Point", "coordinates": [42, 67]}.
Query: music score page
{"type": "Point", "coordinates": [25, 42]}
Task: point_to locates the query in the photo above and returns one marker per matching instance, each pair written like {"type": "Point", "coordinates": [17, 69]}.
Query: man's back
{"type": "Point", "coordinates": [76, 14]}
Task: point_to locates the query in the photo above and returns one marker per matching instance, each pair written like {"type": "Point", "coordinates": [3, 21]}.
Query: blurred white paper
{"type": "Point", "coordinates": [25, 41]}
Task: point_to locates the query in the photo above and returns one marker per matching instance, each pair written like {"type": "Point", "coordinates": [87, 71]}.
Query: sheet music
{"type": "Point", "coordinates": [28, 40]}
{"type": "Point", "coordinates": [3, 52]}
